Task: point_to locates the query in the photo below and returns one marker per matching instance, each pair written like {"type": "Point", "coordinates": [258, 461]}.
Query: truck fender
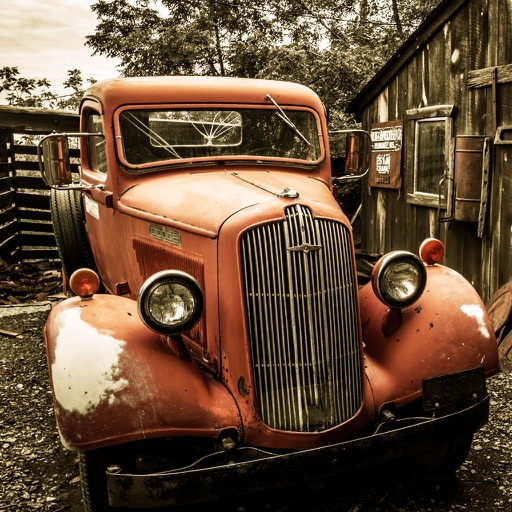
{"type": "Point", "coordinates": [114, 380]}
{"type": "Point", "coordinates": [447, 330]}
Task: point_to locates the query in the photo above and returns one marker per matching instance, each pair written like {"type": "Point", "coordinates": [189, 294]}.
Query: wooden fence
{"type": "Point", "coordinates": [26, 231]}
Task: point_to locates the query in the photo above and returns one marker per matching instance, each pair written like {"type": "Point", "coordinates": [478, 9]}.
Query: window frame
{"type": "Point", "coordinates": [96, 146]}
{"type": "Point", "coordinates": [414, 118]}
{"type": "Point", "coordinates": [281, 161]}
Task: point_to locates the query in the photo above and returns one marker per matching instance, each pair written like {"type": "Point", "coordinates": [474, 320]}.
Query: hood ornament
{"type": "Point", "coordinates": [289, 192]}
{"type": "Point", "coordinates": [305, 248]}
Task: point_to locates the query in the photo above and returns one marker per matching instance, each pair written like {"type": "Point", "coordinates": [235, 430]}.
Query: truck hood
{"type": "Point", "coordinates": [202, 201]}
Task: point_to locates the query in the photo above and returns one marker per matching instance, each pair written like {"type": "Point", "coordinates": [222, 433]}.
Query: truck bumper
{"type": "Point", "coordinates": [252, 469]}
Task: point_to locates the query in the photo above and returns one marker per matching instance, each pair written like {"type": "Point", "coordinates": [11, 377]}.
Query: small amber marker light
{"type": "Point", "coordinates": [431, 251]}
{"type": "Point", "coordinates": [84, 282]}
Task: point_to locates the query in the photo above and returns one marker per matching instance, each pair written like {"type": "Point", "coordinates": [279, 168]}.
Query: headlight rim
{"type": "Point", "coordinates": [158, 279]}
{"type": "Point", "coordinates": [379, 273]}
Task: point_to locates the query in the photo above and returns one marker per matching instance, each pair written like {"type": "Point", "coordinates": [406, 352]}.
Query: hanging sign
{"type": "Point", "coordinates": [385, 162]}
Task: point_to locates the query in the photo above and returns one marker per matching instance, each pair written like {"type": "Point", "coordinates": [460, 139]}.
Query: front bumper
{"type": "Point", "coordinates": [258, 470]}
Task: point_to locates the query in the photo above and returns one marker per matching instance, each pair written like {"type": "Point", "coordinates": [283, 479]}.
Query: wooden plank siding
{"type": "Point", "coordinates": [26, 231]}
{"type": "Point", "coordinates": [462, 57]}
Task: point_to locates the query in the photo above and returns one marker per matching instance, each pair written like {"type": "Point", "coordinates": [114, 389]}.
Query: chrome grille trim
{"type": "Point", "coordinates": [301, 298]}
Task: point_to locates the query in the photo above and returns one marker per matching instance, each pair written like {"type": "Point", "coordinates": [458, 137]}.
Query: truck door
{"type": "Point", "coordinates": [104, 229]}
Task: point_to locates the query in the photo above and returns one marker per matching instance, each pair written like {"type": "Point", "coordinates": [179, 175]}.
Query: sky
{"type": "Point", "coordinates": [46, 38]}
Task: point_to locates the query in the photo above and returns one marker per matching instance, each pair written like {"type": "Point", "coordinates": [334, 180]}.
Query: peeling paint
{"type": "Point", "coordinates": [85, 370]}
{"type": "Point", "coordinates": [477, 313]}
{"type": "Point", "coordinates": [381, 218]}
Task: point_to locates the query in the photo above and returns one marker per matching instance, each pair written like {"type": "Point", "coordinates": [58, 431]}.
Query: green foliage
{"type": "Point", "coordinates": [75, 83]}
{"type": "Point", "coordinates": [333, 46]}
{"type": "Point", "coordinates": [25, 92]}
{"type": "Point", "coordinates": [31, 92]}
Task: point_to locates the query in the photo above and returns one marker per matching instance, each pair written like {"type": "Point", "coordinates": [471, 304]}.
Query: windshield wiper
{"type": "Point", "coordinates": [287, 120]}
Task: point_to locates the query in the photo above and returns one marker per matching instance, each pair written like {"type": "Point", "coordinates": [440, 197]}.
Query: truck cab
{"type": "Point", "coordinates": [216, 340]}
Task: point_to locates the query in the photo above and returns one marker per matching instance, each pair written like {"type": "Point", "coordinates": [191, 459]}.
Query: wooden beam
{"type": "Point", "coordinates": [484, 77]}
{"type": "Point", "coordinates": [37, 120]}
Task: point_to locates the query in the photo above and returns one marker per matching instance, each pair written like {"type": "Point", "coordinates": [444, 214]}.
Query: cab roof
{"type": "Point", "coordinates": [199, 89]}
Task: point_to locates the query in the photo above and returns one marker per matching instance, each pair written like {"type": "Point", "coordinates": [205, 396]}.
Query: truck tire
{"type": "Point", "coordinates": [94, 490]}
{"type": "Point", "coordinates": [70, 233]}
{"type": "Point", "coordinates": [93, 465]}
{"type": "Point", "coordinates": [444, 458]}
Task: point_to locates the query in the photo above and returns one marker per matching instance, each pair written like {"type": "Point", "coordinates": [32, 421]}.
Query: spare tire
{"type": "Point", "coordinates": [70, 232]}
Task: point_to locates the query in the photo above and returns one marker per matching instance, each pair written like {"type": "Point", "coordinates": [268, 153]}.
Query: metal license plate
{"type": "Point", "coordinates": [456, 387]}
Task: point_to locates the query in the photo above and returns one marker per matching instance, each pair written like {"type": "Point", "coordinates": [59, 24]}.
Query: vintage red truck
{"type": "Point", "coordinates": [226, 346]}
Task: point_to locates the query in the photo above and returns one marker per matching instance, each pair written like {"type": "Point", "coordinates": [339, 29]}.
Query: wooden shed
{"type": "Point", "coordinates": [440, 116]}
{"type": "Point", "coordinates": [26, 231]}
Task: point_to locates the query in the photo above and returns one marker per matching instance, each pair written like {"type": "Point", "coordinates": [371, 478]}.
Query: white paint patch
{"type": "Point", "coordinates": [382, 106]}
{"type": "Point", "coordinates": [432, 222]}
{"type": "Point", "coordinates": [381, 218]}
{"type": "Point", "coordinates": [424, 92]}
{"type": "Point", "coordinates": [86, 367]}
{"type": "Point", "coordinates": [477, 313]}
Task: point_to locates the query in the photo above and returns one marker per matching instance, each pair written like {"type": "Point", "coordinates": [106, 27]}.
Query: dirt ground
{"type": "Point", "coordinates": [37, 473]}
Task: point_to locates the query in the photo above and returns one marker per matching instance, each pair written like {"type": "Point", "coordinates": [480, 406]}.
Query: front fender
{"type": "Point", "coordinates": [113, 380]}
{"type": "Point", "coordinates": [447, 330]}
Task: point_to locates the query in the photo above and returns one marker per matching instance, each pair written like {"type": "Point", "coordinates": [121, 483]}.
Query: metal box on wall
{"type": "Point", "coordinates": [468, 164]}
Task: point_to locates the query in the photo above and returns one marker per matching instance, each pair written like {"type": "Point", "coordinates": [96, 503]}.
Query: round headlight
{"type": "Point", "coordinates": [399, 279]}
{"type": "Point", "coordinates": [170, 302]}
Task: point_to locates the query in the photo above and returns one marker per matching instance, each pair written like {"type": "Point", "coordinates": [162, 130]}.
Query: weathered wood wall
{"type": "Point", "coordinates": [26, 232]}
{"type": "Point", "coordinates": [451, 65]}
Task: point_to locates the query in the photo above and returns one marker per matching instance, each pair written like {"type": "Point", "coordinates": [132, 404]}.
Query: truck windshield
{"type": "Point", "coordinates": [154, 136]}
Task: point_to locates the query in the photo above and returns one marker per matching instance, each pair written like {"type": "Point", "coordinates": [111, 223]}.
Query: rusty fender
{"type": "Point", "coordinates": [113, 380]}
{"type": "Point", "coordinates": [247, 470]}
{"type": "Point", "coordinates": [447, 330]}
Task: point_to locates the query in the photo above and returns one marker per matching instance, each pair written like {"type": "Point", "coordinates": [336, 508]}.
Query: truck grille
{"type": "Point", "coordinates": [301, 295]}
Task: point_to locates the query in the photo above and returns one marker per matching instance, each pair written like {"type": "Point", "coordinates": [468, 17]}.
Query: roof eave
{"type": "Point", "coordinates": [433, 22]}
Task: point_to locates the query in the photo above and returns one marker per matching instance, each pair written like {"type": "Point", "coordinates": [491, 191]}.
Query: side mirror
{"type": "Point", "coordinates": [54, 160]}
{"type": "Point", "coordinates": [354, 162]}
{"type": "Point", "coordinates": [357, 153]}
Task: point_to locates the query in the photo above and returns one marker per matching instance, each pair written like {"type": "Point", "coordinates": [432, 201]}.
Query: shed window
{"type": "Point", "coordinates": [430, 164]}
{"type": "Point", "coordinates": [430, 159]}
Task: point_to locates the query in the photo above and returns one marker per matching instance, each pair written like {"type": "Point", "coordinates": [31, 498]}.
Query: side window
{"type": "Point", "coordinates": [96, 145]}
{"type": "Point", "coordinates": [429, 162]}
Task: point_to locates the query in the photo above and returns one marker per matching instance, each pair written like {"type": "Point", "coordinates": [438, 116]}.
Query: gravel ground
{"type": "Point", "coordinates": [36, 473]}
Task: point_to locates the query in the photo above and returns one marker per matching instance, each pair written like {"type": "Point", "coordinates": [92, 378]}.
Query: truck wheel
{"type": "Point", "coordinates": [92, 465]}
{"type": "Point", "coordinates": [70, 233]}
{"type": "Point", "coordinates": [444, 458]}
{"type": "Point", "coordinates": [93, 481]}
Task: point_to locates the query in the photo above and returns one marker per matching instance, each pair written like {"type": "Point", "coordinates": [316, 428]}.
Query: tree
{"type": "Point", "coordinates": [329, 45]}
{"type": "Point", "coordinates": [74, 82]}
{"type": "Point", "coordinates": [25, 92]}
{"type": "Point", "coordinates": [182, 37]}
{"type": "Point", "coordinates": [32, 92]}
